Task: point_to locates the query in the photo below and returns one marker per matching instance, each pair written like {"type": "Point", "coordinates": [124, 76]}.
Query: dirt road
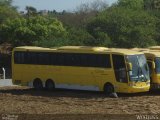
{"type": "Point", "coordinates": [22, 100]}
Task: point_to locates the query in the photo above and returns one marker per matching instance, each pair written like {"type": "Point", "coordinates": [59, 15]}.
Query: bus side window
{"type": "Point", "coordinates": [53, 57]}
{"type": "Point", "coordinates": [70, 59]}
{"type": "Point", "coordinates": [104, 61]}
{"type": "Point", "coordinates": [16, 57]}
{"type": "Point", "coordinates": [46, 58]}
{"type": "Point", "coordinates": [33, 58]}
{"type": "Point", "coordinates": [40, 58]}
{"type": "Point", "coordinates": [19, 57]}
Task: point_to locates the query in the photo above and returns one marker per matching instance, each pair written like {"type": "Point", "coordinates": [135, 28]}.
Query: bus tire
{"type": "Point", "coordinates": [108, 89]}
{"type": "Point", "coordinates": [49, 85]}
{"type": "Point", "coordinates": [37, 84]}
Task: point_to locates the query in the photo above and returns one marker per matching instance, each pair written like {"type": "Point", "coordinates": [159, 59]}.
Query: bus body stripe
{"type": "Point", "coordinates": [77, 87]}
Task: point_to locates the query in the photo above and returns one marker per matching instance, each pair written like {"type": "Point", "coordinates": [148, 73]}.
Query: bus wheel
{"type": "Point", "coordinates": [109, 90]}
{"type": "Point", "coordinates": [50, 85]}
{"type": "Point", "coordinates": [37, 84]}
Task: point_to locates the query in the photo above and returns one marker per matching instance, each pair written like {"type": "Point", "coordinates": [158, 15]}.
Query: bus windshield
{"type": "Point", "coordinates": [140, 70]}
{"type": "Point", "coordinates": [157, 64]}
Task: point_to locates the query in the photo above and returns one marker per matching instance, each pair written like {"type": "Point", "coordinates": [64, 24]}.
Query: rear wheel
{"type": "Point", "coordinates": [50, 85]}
{"type": "Point", "coordinates": [37, 84]}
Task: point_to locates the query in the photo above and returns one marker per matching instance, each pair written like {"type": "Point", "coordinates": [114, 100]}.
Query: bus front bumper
{"type": "Point", "coordinates": [135, 89]}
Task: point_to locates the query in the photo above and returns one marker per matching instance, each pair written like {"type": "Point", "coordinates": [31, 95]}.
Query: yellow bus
{"type": "Point", "coordinates": [153, 60]}
{"type": "Point", "coordinates": [82, 68]}
{"type": "Point", "coordinates": [154, 48]}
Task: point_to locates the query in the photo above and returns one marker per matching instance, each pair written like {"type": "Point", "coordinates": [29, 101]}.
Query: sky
{"type": "Point", "coordinates": [58, 5]}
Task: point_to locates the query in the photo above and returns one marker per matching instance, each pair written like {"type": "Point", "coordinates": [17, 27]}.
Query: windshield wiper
{"type": "Point", "coordinates": [141, 69]}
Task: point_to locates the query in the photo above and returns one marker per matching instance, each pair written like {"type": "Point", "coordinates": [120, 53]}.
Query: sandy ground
{"type": "Point", "coordinates": [22, 100]}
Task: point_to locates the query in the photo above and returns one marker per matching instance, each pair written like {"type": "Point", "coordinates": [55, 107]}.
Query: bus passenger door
{"type": "Point", "coordinates": [120, 72]}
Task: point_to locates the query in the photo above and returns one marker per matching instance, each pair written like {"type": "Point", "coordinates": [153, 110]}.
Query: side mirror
{"type": "Point", "coordinates": [129, 66]}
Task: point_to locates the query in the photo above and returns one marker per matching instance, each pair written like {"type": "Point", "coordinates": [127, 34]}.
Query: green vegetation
{"type": "Point", "coordinates": [21, 31]}
{"type": "Point", "coordinates": [128, 23]}
{"type": "Point", "coordinates": [125, 27]}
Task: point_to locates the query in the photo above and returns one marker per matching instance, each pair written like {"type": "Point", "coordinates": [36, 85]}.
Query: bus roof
{"type": "Point", "coordinates": [154, 47]}
{"type": "Point", "coordinates": [152, 53]}
{"type": "Point", "coordinates": [140, 49]}
{"type": "Point", "coordinates": [79, 49]}
{"type": "Point", "coordinates": [148, 52]}
{"type": "Point", "coordinates": [124, 51]}
{"type": "Point", "coordinates": [86, 48]}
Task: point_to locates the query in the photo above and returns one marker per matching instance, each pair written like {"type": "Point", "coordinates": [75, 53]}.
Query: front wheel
{"type": "Point", "coordinates": [109, 90]}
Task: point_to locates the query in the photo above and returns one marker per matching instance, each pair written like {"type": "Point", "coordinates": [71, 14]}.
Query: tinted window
{"type": "Point", "coordinates": [19, 57]}
{"type": "Point", "coordinates": [63, 59]}
{"type": "Point", "coordinates": [157, 63]}
{"type": "Point", "coordinates": [118, 61]}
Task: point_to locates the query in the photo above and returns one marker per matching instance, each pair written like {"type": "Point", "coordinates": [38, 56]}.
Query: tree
{"type": "Point", "coordinates": [21, 32]}
{"type": "Point", "coordinates": [6, 3]}
{"type": "Point", "coordinates": [31, 11]}
{"type": "Point", "coordinates": [82, 13]}
{"type": "Point", "coordinates": [79, 36]}
{"type": "Point", "coordinates": [131, 4]}
{"type": "Point", "coordinates": [95, 6]}
{"type": "Point", "coordinates": [7, 10]}
{"type": "Point", "coordinates": [125, 27]}
{"type": "Point", "coordinates": [152, 4]}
